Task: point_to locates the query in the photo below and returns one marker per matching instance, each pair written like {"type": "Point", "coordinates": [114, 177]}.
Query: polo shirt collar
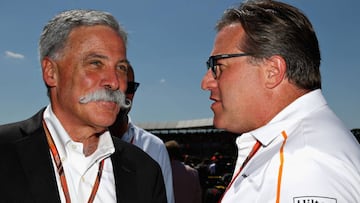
{"type": "Point", "coordinates": [293, 113]}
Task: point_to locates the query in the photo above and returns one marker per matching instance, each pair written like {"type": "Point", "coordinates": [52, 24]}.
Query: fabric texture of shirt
{"type": "Point", "coordinates": [154, 147]}
{"type": "Point", "coordinates": [307, 155]}
{"type": "Point", "coordinates": [81, 171]}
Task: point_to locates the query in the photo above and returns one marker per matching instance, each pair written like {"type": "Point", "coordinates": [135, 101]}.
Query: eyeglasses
{"type": "Point", "coordinates": [212, 62]}
{"type": "Point", "coordinates": [132, 87]}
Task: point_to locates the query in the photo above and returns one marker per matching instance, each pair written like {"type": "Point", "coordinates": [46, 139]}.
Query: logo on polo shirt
{"type": "Point", "coordinates": [314, 199]}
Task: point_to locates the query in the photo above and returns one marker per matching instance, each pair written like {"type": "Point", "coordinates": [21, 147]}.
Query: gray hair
{"type": "Point", "coordinates": [56, 32]}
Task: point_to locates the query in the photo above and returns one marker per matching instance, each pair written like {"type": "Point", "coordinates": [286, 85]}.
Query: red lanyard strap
{"type": "Point", "coordinates": [61, 172]}
{"type": "Point", "coordinates": [255, 148]}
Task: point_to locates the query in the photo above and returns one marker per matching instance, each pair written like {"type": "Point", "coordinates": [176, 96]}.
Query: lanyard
{"type": "Point", "coordinates": [132, 140]}
{"type": "Point", "coordinates": [61, 173]}
{"type": "Point", "coordinates": [255, 148]}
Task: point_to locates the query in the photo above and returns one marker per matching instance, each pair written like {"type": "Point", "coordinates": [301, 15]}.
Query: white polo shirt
{"type": "Point", "coordinates": [307, 155]}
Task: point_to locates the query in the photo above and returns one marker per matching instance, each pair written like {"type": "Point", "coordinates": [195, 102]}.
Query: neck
{"type": "Point", "coordinates": [89, 137]}
{"type": "Point", "coordinates": [120, 126]}
{"type": "Point", "coordinates": [90, 144]}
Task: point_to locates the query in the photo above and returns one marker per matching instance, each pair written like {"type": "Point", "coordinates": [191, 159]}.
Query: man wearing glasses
{"type": "Point", "coordinates": [149, 143]}
{"type": "Point", "coordinates": [264, 80]}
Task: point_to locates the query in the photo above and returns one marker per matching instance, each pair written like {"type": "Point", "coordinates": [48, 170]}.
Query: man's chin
{"type": "Point", "coordinates": [104, 123]}
{"type": "Point", "coordinates": [216, 121]}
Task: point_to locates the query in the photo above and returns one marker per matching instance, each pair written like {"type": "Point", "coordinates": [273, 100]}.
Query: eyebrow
{"type": "Point", "coordinates": [124, 61]}
{"type": "Point", "coordinates": [94, 55]}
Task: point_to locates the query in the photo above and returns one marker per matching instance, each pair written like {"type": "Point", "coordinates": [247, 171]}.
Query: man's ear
{"type": "Point", "coordinates": [275, 71]}
{"type": "Point", "coordinates": [49, 72]}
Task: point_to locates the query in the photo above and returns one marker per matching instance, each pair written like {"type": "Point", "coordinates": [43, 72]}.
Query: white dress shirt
{"type": "Point", "coordinates": [81, 171]}
{"type": "Point", "coordinates": [307, 155]}
{"type": "Point", "coordinates": [154, 147]}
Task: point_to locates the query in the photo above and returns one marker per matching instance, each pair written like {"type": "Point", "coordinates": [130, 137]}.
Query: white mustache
{"type": "Point", "coordinates": [107, 95]}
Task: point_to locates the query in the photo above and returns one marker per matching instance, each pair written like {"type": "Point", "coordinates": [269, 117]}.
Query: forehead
{"type": "Point", "coordinates": [228, 39]}
{"type": "Point", "coordinates": [96, 37]}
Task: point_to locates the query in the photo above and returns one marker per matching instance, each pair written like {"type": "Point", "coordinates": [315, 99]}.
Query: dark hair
{"type": "Point", "coordinates": [174, 150]}
{"type": "Point", "coordinates": [275, 28]}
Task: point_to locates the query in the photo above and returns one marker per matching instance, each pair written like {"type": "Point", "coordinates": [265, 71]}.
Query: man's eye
{"type": "Point", "coordinates": [96, 63]}
{"type": "Point", "coordinates": [122, 67]}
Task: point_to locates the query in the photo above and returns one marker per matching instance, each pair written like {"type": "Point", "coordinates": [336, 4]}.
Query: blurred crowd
{"type": "Point", "coordinates": [215, 173]}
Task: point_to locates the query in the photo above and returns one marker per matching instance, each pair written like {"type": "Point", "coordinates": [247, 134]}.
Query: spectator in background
{"type": "Point", "coordinates": [264, 78]}
{"type": "Point", "coordinates": [186, 181]}
{"type": "Point", "coordinates": [149, 143]}
{"type": "Point", "coordinates": [217, 164]}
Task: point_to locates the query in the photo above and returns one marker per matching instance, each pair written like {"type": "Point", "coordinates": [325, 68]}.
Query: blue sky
{"type": "Point", "coordinates": [169, 42]}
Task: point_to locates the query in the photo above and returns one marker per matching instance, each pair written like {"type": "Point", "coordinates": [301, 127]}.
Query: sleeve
{"type": "Point", "coordinates": [165, 164]}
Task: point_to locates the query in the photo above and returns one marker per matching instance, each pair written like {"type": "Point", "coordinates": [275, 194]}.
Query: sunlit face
{"type": "Point", "coordinates": [235, 93]}
{"type": "Point", "coordinates": [94, 58]}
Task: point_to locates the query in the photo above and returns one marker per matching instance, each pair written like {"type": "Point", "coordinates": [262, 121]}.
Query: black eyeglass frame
{"type": "Point", "coordinates": [211, 62]}
{"type": "Point", "coordinates": [132, 87]}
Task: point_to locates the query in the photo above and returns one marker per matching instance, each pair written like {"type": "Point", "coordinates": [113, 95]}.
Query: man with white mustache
{"type": "Point", "coordinates": [65, 153]}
